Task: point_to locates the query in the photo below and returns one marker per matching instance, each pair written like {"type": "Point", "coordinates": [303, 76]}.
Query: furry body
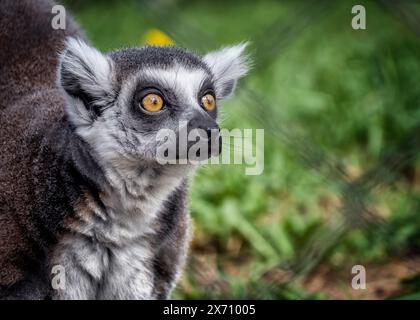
{"type": "Point", "coordinates": [50, 211]}
{"type": "Point", "coordinates": [78, 187]}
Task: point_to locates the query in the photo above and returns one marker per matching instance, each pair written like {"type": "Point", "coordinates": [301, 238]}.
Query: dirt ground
{"type": "Point", "coordinates": [382, 281]}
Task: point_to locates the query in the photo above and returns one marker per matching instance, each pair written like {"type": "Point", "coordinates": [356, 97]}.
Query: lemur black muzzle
{"type": "Point", "coordinates": [204, 138]}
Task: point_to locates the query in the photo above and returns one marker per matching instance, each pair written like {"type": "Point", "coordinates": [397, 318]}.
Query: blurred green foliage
{"type": "Point", "coordinates": [352, 94]}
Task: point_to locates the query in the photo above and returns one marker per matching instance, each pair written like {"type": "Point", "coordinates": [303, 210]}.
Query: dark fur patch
{"type": "Point", "coordinates": [130, 60]}
{"type": "Point", "coordinates": [47, 172]}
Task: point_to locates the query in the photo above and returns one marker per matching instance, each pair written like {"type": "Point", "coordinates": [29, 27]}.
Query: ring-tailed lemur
{"type": "Point", "coordinates": [80, 187]}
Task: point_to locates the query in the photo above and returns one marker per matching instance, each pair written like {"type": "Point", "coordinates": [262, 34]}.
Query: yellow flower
{"type": "Point", "coordinates": [157, 37]}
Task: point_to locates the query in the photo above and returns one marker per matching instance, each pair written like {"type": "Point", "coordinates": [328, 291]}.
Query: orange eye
{"type": "Point", "coordinates": [152, 102]}
{"type": "Point", "coordinates": [208, 102]}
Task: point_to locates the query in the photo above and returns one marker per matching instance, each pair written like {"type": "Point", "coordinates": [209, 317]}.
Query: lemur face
{"type": "Point", "coordinates": [120, 102]}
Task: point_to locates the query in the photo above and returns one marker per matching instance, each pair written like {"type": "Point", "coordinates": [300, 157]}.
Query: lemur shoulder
{"type": "Point", "coordinates": [80, 186]}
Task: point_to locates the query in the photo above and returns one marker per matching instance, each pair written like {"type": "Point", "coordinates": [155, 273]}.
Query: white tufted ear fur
{"type": "Point", "coordinates": [87, 76]}
{"type": "Point", "coordinates": [228, 65]}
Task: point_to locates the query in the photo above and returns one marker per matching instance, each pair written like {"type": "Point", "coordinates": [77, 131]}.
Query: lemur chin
{"type": "Point", "coordinates": [80, 186]}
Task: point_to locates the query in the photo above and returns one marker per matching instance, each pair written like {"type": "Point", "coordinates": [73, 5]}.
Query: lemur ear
{"type": "Point", "coordinates": [87, 76]}
{"type": "Point", "coordinates": [228, 65]}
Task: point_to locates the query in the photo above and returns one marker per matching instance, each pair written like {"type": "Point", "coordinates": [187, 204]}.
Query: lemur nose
{"type": "Point", "coordinates": [209, 128]}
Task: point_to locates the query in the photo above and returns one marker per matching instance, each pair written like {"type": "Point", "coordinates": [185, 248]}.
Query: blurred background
{"type": "Point", "coordinates": [341, 113]}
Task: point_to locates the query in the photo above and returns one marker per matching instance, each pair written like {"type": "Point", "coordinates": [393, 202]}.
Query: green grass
{"type": "Point", "coordinates": [349, 94]}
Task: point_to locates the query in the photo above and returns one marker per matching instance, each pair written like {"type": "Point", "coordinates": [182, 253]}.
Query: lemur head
{"type": "Point", "coordinates": [119, 102]}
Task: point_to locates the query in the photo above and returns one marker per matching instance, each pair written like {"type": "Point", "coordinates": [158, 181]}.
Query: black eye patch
{"type": "Point", "coordinates": [143, 86]}
{"type": "Point", "coordinates": [171, 110]}
{"type": "Point", "coordinates": [207, 87]}
{"type": "Point", "coordinates": [140, 94]}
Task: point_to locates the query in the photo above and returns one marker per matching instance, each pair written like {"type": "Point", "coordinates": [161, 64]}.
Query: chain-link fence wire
{"type": "Point", "coordinates": [354, 212]}
{"type": "Point", "coordinates": [403, 12]}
